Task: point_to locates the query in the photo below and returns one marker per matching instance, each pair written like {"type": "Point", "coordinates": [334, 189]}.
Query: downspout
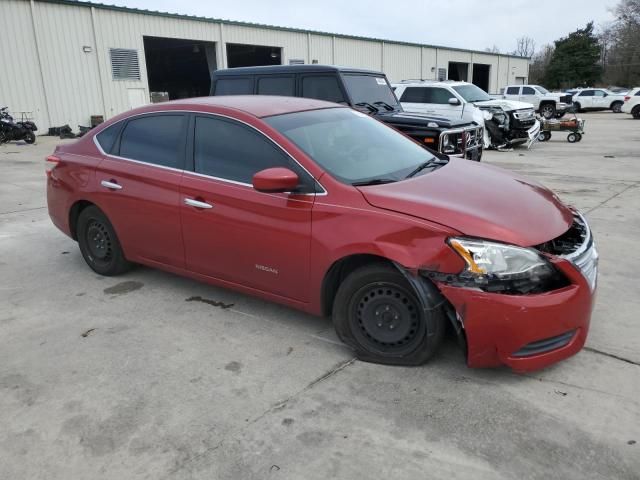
{"type": "Point", "coordinates": [37, 41]}
{"type": "Point", "coordinates": [100, 72]}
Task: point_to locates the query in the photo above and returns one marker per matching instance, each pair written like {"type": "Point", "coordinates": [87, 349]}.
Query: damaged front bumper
{"type": "Point", "coordinates": [524, 332]}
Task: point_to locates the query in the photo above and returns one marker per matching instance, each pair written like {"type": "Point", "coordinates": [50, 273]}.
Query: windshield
{"type": "Point", "coordinates": [351, 146]}
{"type": "Point", "coordinates": [471, 93]}
{"type": "Point", "coordinates": [369, 89]}
{"type": "Point", "coordinates": [542, 90]}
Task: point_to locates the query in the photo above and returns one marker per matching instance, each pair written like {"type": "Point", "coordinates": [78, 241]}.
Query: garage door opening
{"type": "Point", "coordinates": [481, 76]}
{"type": "Point", "coordinates": [459, 71]}
{"type": "Point", "coordinates": [181, 68]}
{"type": "Point", "coordinates": [252, 55]}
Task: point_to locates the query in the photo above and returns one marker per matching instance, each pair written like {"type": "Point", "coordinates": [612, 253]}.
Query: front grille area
{"type": "Point", "coordinates": [459, 141]}
{"type": "Point", "coordinates": [545, 345]}
{"type": "Point", "coordinates": [524, 114]}
{"type": "Point", "coordinates": [577, 246]}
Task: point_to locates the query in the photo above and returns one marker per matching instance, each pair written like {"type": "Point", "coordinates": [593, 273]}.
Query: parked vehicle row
{"type": "Point", "coordinates": [10, 130]}
{"type": "Point", "coordinates": [324, 208]}
{"type": "Point", "coordinates": [506, 122]}
{"type": "Point", "coordinates": [364, 90]}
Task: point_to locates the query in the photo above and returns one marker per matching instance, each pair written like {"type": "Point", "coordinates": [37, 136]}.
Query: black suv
{"type": "Point", "coordinates": [364, 90]}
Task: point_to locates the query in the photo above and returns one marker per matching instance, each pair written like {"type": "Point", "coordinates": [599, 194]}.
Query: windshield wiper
{"type": "Point", "coordinates": [385, 105]}
{"type": "Point", "coordinates": [374, 181]}
{"type": "Point", "coordinates": [371, 108]}
{"type": "Point", "coordinates": [429, 163]}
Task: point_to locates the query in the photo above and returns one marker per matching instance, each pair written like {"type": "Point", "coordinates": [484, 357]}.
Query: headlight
{"type": "Point", "coordinates": [445, 141]}
{"type": "Point", "coordinates": [500, 268]}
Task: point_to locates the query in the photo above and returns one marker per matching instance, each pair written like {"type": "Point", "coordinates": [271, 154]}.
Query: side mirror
{"type": "Point", "coordinates": [454, 101]}
{"type": "Point", "coordinates": [275, 180]}
{"type": "Point", "coordinates": [605, 94]}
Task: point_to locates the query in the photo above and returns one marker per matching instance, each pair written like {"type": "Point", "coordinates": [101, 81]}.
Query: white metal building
{"type": "Point", "coordinates": [65, 61]}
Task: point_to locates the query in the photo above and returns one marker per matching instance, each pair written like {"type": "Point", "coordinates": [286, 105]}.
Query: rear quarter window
{"type": "Point", "coordinates": [107, 137]}
{"type": "Point", "coordinates": [234, 86]}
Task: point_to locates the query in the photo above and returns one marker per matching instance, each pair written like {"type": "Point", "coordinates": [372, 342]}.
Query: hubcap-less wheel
{"type": "Point", "coordinates": [99, 243]}
{"type": "Point", "coordinates": [387, 318]}
{"type": "Point", "coordinates": [572, 138]}
{"type": "Point", "coordinates": [548, 111]}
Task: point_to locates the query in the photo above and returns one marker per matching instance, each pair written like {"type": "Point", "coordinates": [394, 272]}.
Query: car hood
{"type": "Point", "coordinates": [410, 118]}
{"type": "Point", "coordinates": [507, 105]}
{"type": "Point", "coordinates": [478, 200]}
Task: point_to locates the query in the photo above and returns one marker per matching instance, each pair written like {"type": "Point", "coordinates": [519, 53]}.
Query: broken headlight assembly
{"type": "Point", "coordinates": [501, 268]}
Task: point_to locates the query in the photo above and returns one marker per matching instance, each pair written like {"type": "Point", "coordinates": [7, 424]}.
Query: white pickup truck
{"type": "Point", "coordinates": [549, 104]}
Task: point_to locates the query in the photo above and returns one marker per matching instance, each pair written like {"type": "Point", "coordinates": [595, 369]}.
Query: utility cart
{"type": "Point", "coordinates": [575, 127]}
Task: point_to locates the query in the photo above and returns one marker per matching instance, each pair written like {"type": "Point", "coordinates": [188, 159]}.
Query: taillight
{"type": "Point", "coordinates": [626, 99]}
{"type": "Point", "coordinates": [51, 162]}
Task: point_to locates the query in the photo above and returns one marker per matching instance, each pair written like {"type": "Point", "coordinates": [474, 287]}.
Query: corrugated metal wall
{"type": "Point", "coordinates": [46, 69]}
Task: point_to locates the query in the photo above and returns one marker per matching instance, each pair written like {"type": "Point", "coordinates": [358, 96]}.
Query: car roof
{"type": "Point", "coordinates": [256, 105]}
{"type": "Point", "coordinates": [270, 69]}
{"type": "Point", "coordinates": [429, 83]}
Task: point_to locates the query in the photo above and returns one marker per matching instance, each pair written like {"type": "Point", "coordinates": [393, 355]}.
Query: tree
{"type": "Point", "coordinates": [621, 45]}
{"type": "Point", "coordinates": [539, 64]}
{"type": "Point", "coordinates": [525, 47]}
{"type": "Point", "coordinates": [493, 49]}
{"type": "Point", "coordinates": [575, 60]}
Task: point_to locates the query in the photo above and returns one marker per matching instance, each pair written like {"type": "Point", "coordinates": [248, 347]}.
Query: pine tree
{"type": "Point", "coordinates": [575, 60]}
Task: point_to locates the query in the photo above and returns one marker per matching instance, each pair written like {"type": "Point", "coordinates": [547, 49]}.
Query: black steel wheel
{"type": "Point", "coordinates": [548, 111]}
{"type": "Point", "coordinates": [30, 138]}
{"type": "Point", "coordinates": [377, 312]}
{"type": "Point", "coordinates": [99, 243]}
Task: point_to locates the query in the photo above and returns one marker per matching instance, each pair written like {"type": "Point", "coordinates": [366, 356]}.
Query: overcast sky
{"type": "Point", "coordinates": [473, 24]}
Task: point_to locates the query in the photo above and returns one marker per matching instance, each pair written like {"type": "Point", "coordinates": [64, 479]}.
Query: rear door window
{"type": "Point", "coordinates": [276, 86]}
{"type": "Point", "coordinates": [155, 139]}
{"type": "Point", "coordinates": [234, 86]}
{"type": "Point", "coordinates": [322, 87]}
{"type": "Point", "coordinates": [586, 93]}
{"type": "Point", "coordinates": [528, 91]}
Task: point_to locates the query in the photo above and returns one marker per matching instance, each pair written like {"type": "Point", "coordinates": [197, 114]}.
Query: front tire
{"type": "Point", "coordinates": [377, 313]}
{"type": "Point", "coordinates": [99, 243]}
{"type": "Point", "coordinates": [548, 111]}
{"type": "Point", "coordinates": [616, 107]}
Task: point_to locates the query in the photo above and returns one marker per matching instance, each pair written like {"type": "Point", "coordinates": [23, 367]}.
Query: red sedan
{"type": "Point", "coordinates": [327, 210]}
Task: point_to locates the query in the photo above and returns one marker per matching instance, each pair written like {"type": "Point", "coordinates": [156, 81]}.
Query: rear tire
{"type": "Point", "coordinates": [378, 314]}
{"type": "Point", "coordinates": [616, 107]}
{"type": "Point", "coordinates": [636, 112]}
{"type": "Point", "coordinates": [577, 106]}
{"type": "Point", "coordinates": [99, 243]}
{"type": "Point", "coordinates": [30, 138]}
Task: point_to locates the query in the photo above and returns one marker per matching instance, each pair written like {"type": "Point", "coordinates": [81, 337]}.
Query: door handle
{"type": "Point", "coordinates": [196, 203]}
{"type": "Point", "coordinates": [111, 185]}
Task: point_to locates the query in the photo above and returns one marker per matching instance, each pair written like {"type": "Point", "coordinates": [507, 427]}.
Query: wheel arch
{"type": "Point", "coordinates": [74, 212]}
{"type": "Point", "coordinates": [339, 270]}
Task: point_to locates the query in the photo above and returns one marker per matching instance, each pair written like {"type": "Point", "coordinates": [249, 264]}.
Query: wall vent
{"type": "Point", "coordinates": [124, 64]}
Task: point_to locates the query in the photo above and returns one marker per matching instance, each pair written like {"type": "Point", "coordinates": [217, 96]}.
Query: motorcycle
{"type": "Point", "coordinates": [11, 130]}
